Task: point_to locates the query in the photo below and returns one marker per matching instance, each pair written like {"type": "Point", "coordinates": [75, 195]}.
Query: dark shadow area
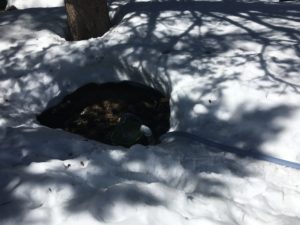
{"type": "Point", "coordinates": [201, 57]}
{"type": "Point", "coordinates": [3, 4]}
{"type": "Point", "coordinates": [249, 130]}
{"type": "Point", "coordinates": [198, 13]}
{"type": "Point", "coordinates": [112, 113]}
{"type": "Point", "coordinates": [56, 24]}
{"type": "Point", "coordinates": [99, 193]}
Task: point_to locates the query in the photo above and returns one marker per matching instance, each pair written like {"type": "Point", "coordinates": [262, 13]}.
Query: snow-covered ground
{"type": "Point", "coordinates": [232, 72]}
{"type": "Point", "coordinates": [24, 4]}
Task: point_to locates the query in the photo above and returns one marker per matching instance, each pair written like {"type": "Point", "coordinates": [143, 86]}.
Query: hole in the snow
{"type": "Point", "coordinates": [123, 113]}
{"type": "Point", "coordinates": [3, 4]}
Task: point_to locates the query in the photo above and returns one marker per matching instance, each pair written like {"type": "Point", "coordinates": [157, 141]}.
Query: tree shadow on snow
{"type": "Point", "coordinates": [168, 57]}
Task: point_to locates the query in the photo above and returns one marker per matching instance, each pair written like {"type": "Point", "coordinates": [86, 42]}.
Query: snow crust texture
{"type": "Point", "coordinates": [232, 73]}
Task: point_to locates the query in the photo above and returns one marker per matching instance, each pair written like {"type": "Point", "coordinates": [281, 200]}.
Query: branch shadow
{"type": "Point", "coordinates": [105, 177]}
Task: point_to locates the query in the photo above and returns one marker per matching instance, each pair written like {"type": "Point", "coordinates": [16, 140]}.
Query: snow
{"type": "Point", "coordinates": [232, 73]}
{"type": "Point", "coordinates": [24, 4]}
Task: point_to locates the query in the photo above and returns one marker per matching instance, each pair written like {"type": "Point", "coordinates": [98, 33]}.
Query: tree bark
{"type": "Point", "coordinates": [87, 18]}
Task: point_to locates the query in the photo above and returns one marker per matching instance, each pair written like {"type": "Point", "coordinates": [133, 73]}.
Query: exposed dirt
{"type": "Point", "coordinates": [96, 110]}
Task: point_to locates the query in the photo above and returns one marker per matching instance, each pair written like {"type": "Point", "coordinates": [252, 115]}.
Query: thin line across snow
{"type": "Point", "coordinates": [227, 148]}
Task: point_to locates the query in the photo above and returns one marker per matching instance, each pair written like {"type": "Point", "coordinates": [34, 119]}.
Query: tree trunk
{"type": "Point", "coordinates": [87, 18]}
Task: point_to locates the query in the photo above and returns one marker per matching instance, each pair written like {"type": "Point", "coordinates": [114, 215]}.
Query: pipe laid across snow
{"type": "Point", "coordinates": [227, 148]}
